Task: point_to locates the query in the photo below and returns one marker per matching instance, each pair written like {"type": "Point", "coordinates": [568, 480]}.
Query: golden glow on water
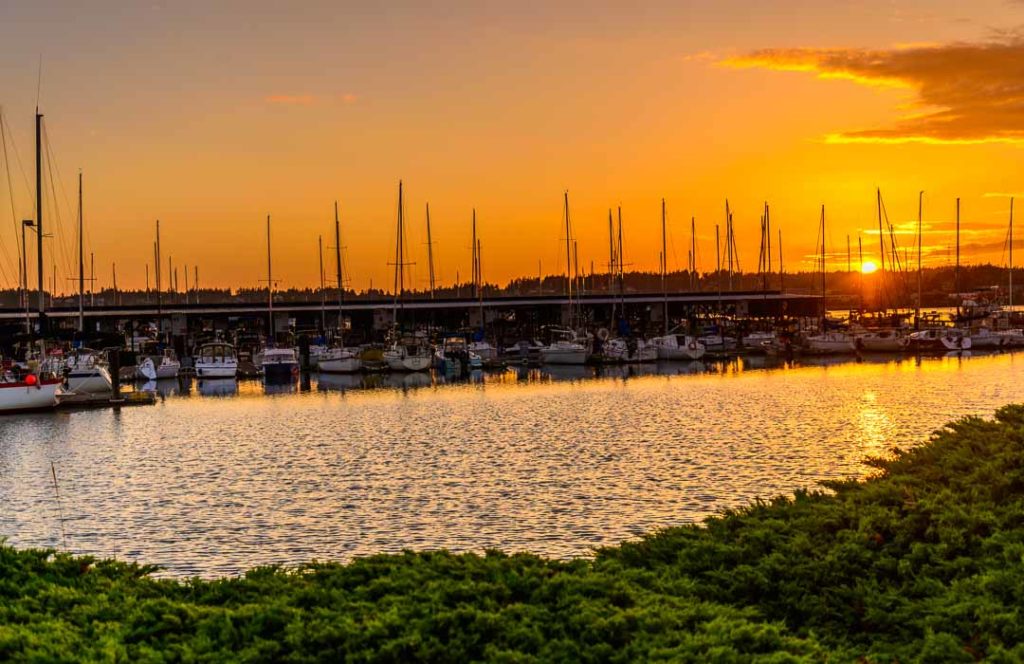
{"type": "Point", "coordinates": [220, 476]}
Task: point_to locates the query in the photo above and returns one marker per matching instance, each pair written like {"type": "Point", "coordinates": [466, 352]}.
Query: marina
{"type": "Point", "coordinates": [221, 475]}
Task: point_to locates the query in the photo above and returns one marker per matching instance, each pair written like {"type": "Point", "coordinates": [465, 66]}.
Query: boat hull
{"type": "Point", "coordinates": [24, 398]}
{"type": "Point", "coordinates": [90, 381]}
{"type": "Point", "coordinates": [563, 356]}
{"type": "Point", "coordinates": [216, 370]}
{"type": "Point", "coordinates": [340, 365]}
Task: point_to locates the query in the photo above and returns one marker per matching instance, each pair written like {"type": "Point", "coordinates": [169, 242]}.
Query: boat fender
{"type": "Point", "coordinates": [32, 381]}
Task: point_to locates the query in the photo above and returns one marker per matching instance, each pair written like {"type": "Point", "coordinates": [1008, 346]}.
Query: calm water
{"type": "Point", "coordinates": [218, 477]}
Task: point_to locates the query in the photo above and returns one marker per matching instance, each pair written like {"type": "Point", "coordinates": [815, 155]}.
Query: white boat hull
{"type": "Point", "coordinates": [829, 345]}
{"type": "Point", "coordinates": [219, 370]}
{"type": "Point", "coordinates": [93, 380]}
{"type": "Point", "coordinates": [340, 365]}
{"type": "Point", "coordinates": [20, 397]}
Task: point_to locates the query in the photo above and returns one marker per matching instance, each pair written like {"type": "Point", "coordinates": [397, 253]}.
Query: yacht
{"type": "Point", "coordinates": [565, 350]}
{"type": "Point", "coordinates": [939, 339]}
{"type": "Point", "coordinates": [279, 363]}
{"type": "Point", "coordinates": [339, 360]}
{"type": "Point", "coordinates": [986, 337]}
{"type": "Point", "coordinates": [830, 343]}
{"type": "Point", "coordinates": [408, 354]}
{"type": "Point", "coordinates": [678, 347]}
{"type": "Point", "coordinates": [216, 360]}
{"type": "Point", "coordinates": [86, 373]}
{"type": "Point", "coordinates": [883, 341]}
{"type": "Point", "coordinates": [165, 365]}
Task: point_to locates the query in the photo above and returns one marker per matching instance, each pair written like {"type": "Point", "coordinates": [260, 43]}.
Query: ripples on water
{"type": "Point", "coordinates": [218, 477]}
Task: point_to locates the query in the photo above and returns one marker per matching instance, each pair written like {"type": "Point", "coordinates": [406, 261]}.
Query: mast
{"type": "Point", "coordinates": [480, 290]}
{"type": "Point", "coordinates": [693, 253]}
{"type": "Point", "coordinates": [476, 277]}
{"type": "Point", "coordinates": [824, 309]}
{"type": "Point", "coordinates": [1010, 295]}
{"type": "Point", "coordinates": [337, 263]}
{"type": "Point", "coordinates": [39, 219]}
{"type": "Point", "coordinates": [270, 288]}
{"type": "Point", "coordinates": [920, 210]}
{"type": "Point", "coordinates": [718, 266]}
{"type": "Point", "coordinates": [399, 258]}
{"type": "Point", "coordinates": [622, 274]}
{"type": "Point", "coordinates": [568, 258]}
{"type": "Point", "coordinates": [860, 257]}
{"type": "Point", "coordinates": [81, 270]}
{"type": "Point", "coordinates": [113, 274]}
{"type": "Point", "coordinates": [156, 267]}
{"type": "Point", "coordinates": [92, 279]}
{"type": "Point", "coordinates": [881, 245]}
{"type": "Point", "coordinates": [768, 234]}
{"type": "Point", "coordinates": [728, 240]}
{"type": "Point", "coordinates": [664, 263]}
{"type": "Point", "coordinates": [782, 271]}
{"type": "Point", "coordinates": [323, 300]}
{"type": "Point", "coordinates": [430, 253]}
{"type": "Point", "coordinates": [956, 273]}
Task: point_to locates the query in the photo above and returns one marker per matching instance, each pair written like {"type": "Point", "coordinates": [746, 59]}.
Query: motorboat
{"type": "Point", "coordinates": [883, 341]}
{"type": "Point", "coordinates": [1013, 338]}
{"type": "Point", "coordinates": [628, 351]}
{"type": "Point", "coordinates": [86, 373]}
{"type": "Point", "coordinates": [678, 347]}
{"type": "Point", "coordinates": [216, 360]}
{"type": "Point", "coordinates": [453, 357]}
{"type": "Point", "coordinates": [940, 340]}
{"type": "Point", "coordinates": [985, 337]}
{"type": "Point", "coordinates": [717, 343]}
{"type": "Point", "coordinates": [485, 351]}
{"type": "Point", "coordinates": [165, 365]}
{"type": "Point", "coordinates": [408, 355]}
{"type": "Point", "coordinates": [24, 391]}
{"type": "Point", "coordinates": [758, 341]}
{"type": "Point", "coordinates": [279, 363]}
{"type": "Point", "coordinates": [565, 350]}
{"type": "Point", "coordinates": [339, 360]}
{"type": "Point", "coordinates": [830, 343]}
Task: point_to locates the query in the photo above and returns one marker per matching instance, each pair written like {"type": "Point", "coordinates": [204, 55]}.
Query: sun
{"type": "Point", "coordinates": [868, 267]}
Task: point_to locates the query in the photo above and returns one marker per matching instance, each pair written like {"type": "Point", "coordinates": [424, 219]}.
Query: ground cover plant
{"type": "Point", "coordinates": [923, 562]}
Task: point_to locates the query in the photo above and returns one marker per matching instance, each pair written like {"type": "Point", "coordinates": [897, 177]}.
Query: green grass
{"type": "Point", "coordinates": [924, 562]}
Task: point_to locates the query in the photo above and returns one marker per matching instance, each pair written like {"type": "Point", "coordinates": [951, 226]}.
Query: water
{"type": "Point", "coordinates": [219, 477]}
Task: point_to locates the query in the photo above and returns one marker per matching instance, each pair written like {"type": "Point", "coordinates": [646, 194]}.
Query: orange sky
{"type": "Point", "coordinates": [210, 118]}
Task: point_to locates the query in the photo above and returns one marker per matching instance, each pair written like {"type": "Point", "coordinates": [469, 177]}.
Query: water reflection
{"type": "Point", "coordinates": [218, 476]}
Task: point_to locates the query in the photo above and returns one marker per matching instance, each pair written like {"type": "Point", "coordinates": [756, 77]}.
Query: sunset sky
{"type": "Point", "coordinates": [210, 115]}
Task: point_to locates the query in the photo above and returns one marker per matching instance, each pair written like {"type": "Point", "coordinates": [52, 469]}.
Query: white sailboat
{"type": "Point", "coordinates": [87, 373]}
{"type": "Point", "coordinates": [883, 341]}
{"type": "Point", "coordinates": [827, 343]}
{"type": "Point", "coordinates": [404, 353]}
{"type": "Point", "coordinates": [338, 359]}
{"type": "Point", "coordinates": [566, 348]}
{"type": "Point", "coordinates": [678, 347]}
{"type": "Point", "coordinates": [165, 365]}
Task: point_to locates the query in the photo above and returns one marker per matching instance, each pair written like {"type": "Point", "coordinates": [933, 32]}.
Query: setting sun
{"type": "Point", "coordinates": [868, 267]}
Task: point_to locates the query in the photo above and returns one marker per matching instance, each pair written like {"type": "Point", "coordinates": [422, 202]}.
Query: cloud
{"type": "Point", "coordinates": [291, 100]}
{"type": "Point", "coordinates": [965, 93]}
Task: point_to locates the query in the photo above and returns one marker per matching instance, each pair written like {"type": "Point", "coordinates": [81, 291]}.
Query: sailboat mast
{"type": "Point", "coordinates": [156, 268]}
{"type": "Point", "coordinates": [881, 243]}
{"type": "Point", "coordinates": [323, 300]}
{"type": "Point", "coordinates": [81, 269]}
{"type": "Point", "coordinates": [430, 254]}
{"type": "Point", "coordinates": [337, 263]}
{"type": "Point", "coordinates": [622, 275]}
{"type": "Point", "coordinates": [270, 289]}
{"type": "Point", "coordinates": [718, 266]}
{"type": "Point", "coordinates": [782, 271]}
{"type": "Point", "coordinates": [693, 254]}
{"type": "Point", "coordinates": [920, 212]}
{"type": "Point", "coordinates": [664, 267]}
{"type": "Point", "coordinates": [728, 240]}
{"type": "Point", "coordinates": [824, 309]}
{"type": "Point", "coordinates": [768, 234]}
{"type": "Point", "coordinates": [480, 277]}
{"type": "Point", "coordinates": [568, 258]}
{"type": "Point", "coordinates": [1011, 292]}
{"type": "Point", "coordinates": [476, 278]}
{"type": "Point", "coordinates": [956, 273]}
{"type": "Point", "coordinates": [39, 219]}
{"type": "Point", "coordinates": [860, 258]}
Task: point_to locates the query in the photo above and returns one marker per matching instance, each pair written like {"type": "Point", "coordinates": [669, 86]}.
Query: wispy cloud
{"type": "Point", "coordinates": [964, 92]}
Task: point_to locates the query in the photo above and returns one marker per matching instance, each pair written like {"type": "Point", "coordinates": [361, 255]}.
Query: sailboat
{"type": "Point", "coordinates": [565, 347]}
{"type": "Point", "coordinates": [404, 353]}
{"type": "Point", "coordinates": [338, 359]}
{"type": "Point", "coordinates": [827, 343]}
{"type": "Point", "coordinates": [37, 388]}
{"type": "Point", "coordinates": [277, 364]}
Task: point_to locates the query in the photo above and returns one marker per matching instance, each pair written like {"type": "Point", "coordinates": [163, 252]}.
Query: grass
{"type": "Point", "coordinates": [923, 562]}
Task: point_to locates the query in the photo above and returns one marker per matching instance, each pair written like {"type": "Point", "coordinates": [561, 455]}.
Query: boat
{"type": "Point", "coordinates": [453, 357]}
{"type": "Point", "coordinates": [882, 341]}
{"type": "Point", "coordinates": [408, 355]}
{"type": "Point", "coordinates": [939, 340]}
{"type": "Point", "coordinates": [1013, 338]}
{"type": "Point", "coordinates": [678, 347]}
{"type": "Point", "coordinates": [279, 363]}
{"type": "Point", "coordinates": [216, 360]}
{"type": "Point", "coordinates": [22, 391]}
{"type": "Point", "coordinates": [339, 360]}
{"type": "Point", "coordinates": [565, 350]}
{"type": "Point", "coordinates": [166, 365]}
{"type": "Point", "coordinates": [620, 350]}
{"type": "Point", "coordinates": [717, 343]}
{"type": "Point", "coordinates": [985, 337]}
{"type": "Point", "coordinates": [830, 343]}
{"type": "Point", "coordinates": [756, 342]}
{"type": "Point", "coordinates": [486, 352]}
{"type": "Point", "coordinates": [86, 372]}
